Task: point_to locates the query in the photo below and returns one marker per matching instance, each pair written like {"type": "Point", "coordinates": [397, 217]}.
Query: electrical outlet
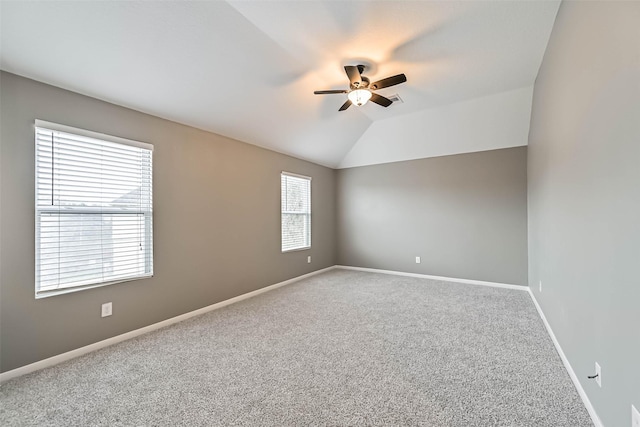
{"type": "Point", "coordinates": [309, 259]}
{"type": "Point", "coordinates": [540, 285]}
{"type": "Point", "coordinates": [417, 260]}
{"type": "Point", "coordinates": [107, 309]}
{"type": "Point", "coordinates": [635, 417]}
{"type": "Point", "coordinates": [598, 375]}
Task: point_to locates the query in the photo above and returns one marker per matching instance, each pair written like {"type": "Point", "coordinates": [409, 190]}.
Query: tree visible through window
{"type": "Point", "coordinates": [296, 211]}
{"type": "Point", "coordinates": [93, 209]}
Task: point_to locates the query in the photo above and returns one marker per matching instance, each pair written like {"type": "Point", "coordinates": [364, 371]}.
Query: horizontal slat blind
{"type": "Point", "coordinates": [296, 211]}
{"type": "Point", "coordinates": [94, 211]}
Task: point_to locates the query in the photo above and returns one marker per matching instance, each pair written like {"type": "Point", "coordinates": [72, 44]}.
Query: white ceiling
{"type": "Point", "coordinates": [248, 69]}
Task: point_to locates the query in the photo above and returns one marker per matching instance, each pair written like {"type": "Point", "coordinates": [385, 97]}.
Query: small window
{"type": "Point", "coordinates": [94, 210]}
{"type": "Point", "coordinates": [296, 211]}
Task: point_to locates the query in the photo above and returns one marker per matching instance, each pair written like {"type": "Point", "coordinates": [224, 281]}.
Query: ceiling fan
{"type": "Point", "coordinates": [361, 89]}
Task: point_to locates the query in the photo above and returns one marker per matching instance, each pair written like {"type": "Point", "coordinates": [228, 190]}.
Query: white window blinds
{"type": "Point", "coordinates": [296, 211]}
{"type": "Point", "coordinates": [94, 209]}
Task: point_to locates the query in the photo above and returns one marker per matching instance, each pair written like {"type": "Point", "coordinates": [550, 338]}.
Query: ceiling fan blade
{"type": "Point", "coordinates": [327, 92]}
{"type": "Point", "coordinates": [354, 75]}
{"type": "Point", "coordinates": [380, 100]}
{"type": "Point", "coordinates": [389, 81]}
{"type": "Point", "coordinates": [345, 105]}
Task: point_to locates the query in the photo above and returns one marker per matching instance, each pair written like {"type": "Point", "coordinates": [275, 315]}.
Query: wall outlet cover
{"type": "Point", "coordinates": [635, 417]}
{"type": "Point", "coordinates": [418, 260]}
{"type": "Point", "coordinates": [309, 259]}
{"type": "Point", "coordinates": [107, 309]}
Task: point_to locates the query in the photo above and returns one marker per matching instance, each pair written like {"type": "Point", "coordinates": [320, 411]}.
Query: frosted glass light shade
{"type": "Point", "coordinates": [359, 96]}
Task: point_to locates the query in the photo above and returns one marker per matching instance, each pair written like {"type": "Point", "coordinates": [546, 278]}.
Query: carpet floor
{"type": "Point", "coordinates": [340, 348]}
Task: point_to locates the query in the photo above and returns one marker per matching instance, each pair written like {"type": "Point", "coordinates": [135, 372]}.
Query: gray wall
{"type": "Point", "coordinates": [216, 224]}
{"type": "Point", "coordinates": [584, 197]}
{"type": "Point", "coordinates": [464, 215]}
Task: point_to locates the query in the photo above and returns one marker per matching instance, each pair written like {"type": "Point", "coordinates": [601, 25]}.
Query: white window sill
{"type": "Point", "coordinates": [62, 291]}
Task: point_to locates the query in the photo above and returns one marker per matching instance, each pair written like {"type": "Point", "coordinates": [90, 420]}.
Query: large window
{"type": "Point", "coordinates": [93, 209]}
{"type": "Point", "coordinates": [296, 211]}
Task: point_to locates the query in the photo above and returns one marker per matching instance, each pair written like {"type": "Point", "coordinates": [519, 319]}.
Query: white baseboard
{"type": "Point", "coordinates": [441, 278]}
{"type": "Point", "coordinates": [567, 365]}
{"type": "Point", "coordinates": [54, 360]}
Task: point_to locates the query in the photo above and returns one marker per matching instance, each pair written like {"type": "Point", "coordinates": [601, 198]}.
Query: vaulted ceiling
{"type": "Point", "coordinates": [248, 69]}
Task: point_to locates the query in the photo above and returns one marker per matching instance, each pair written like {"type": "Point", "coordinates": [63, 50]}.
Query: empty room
{"type": "Point", "coordinates": [340, 213]}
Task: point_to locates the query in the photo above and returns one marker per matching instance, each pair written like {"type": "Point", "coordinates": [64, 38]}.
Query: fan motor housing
{"type": "Point", "coordinates": [363, 85]}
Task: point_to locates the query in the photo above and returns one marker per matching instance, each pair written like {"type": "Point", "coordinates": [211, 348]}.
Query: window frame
{"type": "Point", "coordinates": [307, 214]}
{"type": "Point", "coordinates": [148, 215]}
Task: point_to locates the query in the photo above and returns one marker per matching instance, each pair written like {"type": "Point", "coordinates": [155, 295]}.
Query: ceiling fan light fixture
{"type": "Point", "coordinates": [361, 89]}
{"type": "Point", "coordinates": [359, 97]}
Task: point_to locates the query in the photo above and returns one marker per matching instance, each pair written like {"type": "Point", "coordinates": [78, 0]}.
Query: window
{"type": "Point", "coordinates": [93, 209]}
{"type": "Point", "coordinates": [296, 211]}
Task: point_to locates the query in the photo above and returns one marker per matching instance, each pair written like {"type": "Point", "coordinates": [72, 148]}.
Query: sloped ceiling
{"type": "Point", "coordinates": [248, 69]}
